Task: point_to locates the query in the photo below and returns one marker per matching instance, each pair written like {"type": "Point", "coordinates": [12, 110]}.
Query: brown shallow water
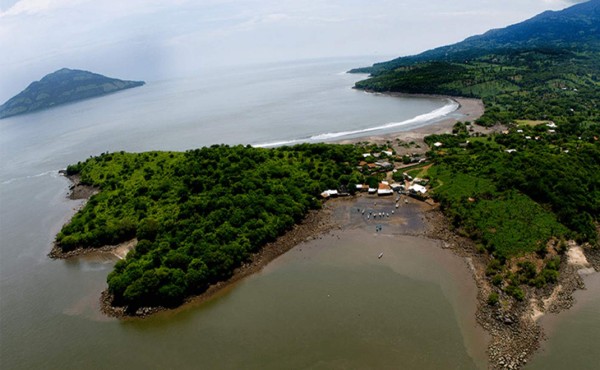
{"type": "Point", "coordinates": [573, 335]}
{"type": "Point", "coordinates": [331, 303]}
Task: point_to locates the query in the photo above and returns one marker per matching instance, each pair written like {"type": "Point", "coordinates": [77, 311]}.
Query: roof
{"type": "Point", "coordinates": [328, 193]}
{"type": "Point", "coordinates": [418, 188]}
{"type": "Point", "coordinates": [383, 186]}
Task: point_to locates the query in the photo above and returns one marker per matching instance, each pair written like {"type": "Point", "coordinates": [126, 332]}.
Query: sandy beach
{"type": "Point", "coordinates": [469, 110]}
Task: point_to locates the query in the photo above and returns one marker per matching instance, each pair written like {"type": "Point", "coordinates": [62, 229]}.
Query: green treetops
{"type": "Point", "coordinates": [197, 215]}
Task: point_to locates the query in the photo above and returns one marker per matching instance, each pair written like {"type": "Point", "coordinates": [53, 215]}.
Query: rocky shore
{"type": "Point", "coordinates": [515, 333]}
{"type": "Point", "coordinates": [78, 191]}
{"type": "Point", "coordinates": [315, 225]}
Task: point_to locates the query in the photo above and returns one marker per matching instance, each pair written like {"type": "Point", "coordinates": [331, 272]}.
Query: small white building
{"type": "Point", "coordinates": [419, 189]}
{"type": "Point", "coordinates": [329, 193]}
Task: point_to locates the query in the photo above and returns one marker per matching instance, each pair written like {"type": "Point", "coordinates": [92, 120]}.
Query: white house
{"type": "Point", "coordinates": [419, 189]}
{"type": "Point", "coordinates": [329, 193]}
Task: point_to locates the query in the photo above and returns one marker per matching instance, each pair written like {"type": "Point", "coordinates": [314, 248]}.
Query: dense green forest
{"type": "Point", "coordinates": [512, 192]}
{"type": "Point", "coordinates": [536, 84]}
{"type": "Point", "coordinates": [548, 182]}
{"type": "Point", "coordinates": [546, 67]}
{"type": "Point", "coordinates": [197, 215]}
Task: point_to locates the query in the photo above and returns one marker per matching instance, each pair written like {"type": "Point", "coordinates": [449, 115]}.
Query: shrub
{"type": "Point", "coordinates": [492, 299]}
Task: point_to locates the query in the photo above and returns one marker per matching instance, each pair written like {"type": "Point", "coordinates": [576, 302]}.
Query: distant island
{"type": "Point", "coordinates": [61, 87]}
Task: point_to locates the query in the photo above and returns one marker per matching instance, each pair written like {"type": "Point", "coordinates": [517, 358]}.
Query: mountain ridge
{"type": "Point", "coordinates": [575, 27]}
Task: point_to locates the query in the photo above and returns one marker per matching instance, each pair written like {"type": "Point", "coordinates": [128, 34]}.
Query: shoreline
{"type": "Point", "coordinates": [515, 331]}
{"type": "Point", "coordinates": [469, 108]}
{"type": "Point", "coordinates": [314, 226]}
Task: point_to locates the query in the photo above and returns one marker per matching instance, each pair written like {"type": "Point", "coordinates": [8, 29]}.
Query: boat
{"type": "Point", "coordinates": [380, 255]}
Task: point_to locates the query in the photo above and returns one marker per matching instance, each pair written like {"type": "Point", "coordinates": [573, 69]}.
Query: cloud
{"type": "Point", "coordinates": [38, 6]}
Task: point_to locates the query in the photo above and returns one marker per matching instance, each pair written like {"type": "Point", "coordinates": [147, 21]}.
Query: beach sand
{"type": "Point", "coordinates": [469, 110]}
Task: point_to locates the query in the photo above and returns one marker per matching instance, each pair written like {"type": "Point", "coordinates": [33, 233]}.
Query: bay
{"type": "Point", "coordinates": [279, 318]}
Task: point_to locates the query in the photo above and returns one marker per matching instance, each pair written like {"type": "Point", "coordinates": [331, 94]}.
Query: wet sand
{"type": "Point", "coordinates": [469, 110]}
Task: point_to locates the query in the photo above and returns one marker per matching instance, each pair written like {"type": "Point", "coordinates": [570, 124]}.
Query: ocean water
{"type": "Point", "coordinates": [266, 105]}
{"type": "Point", "coordinates": [49, 314]}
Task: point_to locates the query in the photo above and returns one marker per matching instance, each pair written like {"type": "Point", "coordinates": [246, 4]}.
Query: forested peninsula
{"type": "Point", "coordinates": [197, 215]}
{"type": "Point", "coordinates": [62, 87]}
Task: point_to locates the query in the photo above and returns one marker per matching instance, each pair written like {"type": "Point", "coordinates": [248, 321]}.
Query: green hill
{"type": "Point", "coordinates": [61, 87]}
{"type": "Point", "coordinates": [577, 27]}
{"type": "Point", "coordinates": [544, 68]}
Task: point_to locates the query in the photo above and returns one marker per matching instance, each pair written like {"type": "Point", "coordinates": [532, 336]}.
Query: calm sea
{"type": "Point", "coordinates": [279, 318]}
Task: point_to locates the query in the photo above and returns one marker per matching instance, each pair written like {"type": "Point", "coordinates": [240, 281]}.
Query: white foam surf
{"type": "Point", "coordinates": [433, 115]}
{"type": "Point", "coordinates": [53, 173]}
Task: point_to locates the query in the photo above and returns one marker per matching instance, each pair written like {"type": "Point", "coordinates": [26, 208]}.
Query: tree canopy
{"type": "Point", "coordinates": [197, 215]}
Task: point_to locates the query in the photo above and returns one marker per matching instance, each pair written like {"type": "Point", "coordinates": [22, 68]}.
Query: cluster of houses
{"type": "Point", "coordinates": [551, 130]}
{"type": "Point", "coordinates": [414, 187]}
{"type": "Point", "coordinates": [384, 164]}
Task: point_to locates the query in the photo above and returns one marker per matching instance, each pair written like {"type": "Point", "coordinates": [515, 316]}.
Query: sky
{"type": "Point", "coordinates": [159, 39]}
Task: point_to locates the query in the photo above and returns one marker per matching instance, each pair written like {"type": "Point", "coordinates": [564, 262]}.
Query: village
{"type": "Point", "coordinates": [387, 174]}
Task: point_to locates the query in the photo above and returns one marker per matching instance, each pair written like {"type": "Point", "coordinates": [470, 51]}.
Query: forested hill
{"type": "Point", "coordinates": [545, 68]}
{"type": "Point", "coordinates": [197, 215]}
{"type": "Point", "coordinates": [61, 87]}
{"type": "Point", "coordinates": [577, 27]}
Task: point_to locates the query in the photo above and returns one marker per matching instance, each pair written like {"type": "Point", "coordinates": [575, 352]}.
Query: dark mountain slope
{"type": "Point", "coordinates": [577, 27]}
{"type": "Point", "coordinates": [63, 86]}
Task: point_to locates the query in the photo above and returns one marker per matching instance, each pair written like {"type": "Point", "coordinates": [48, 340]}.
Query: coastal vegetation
{"type": "Point", "coordinates": [520, 192]}
{"type": "Point", "coordinates": [533, 183]}
{"type": "Point", "coordinates": [531, 84]}
{"type": "Point", "coordinates": [197, 215]}
{"type": "Point", "coordinates": [61, 87]}
{"type": "Point", "coordinates": [543, 68]}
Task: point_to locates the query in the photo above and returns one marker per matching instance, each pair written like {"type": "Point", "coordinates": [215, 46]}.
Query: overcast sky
{"type": "Point", "coordinates": [156, 39]}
